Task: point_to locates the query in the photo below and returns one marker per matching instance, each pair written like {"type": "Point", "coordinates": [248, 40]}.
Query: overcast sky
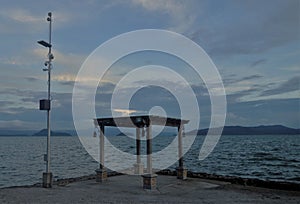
{"type": "Point", "coordinates": [254, 44]}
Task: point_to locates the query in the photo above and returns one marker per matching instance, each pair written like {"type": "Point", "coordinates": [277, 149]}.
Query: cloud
{"type": "Point", "coordinates": [292, 84]}
{"type": "Point", "coordinates": [239, 96]}
{"type": "Point", "coordinates": [29, 21]}
{"type": "Point", "coordinates": [67, 83]}
{"type": "Point", "coordinates": [249, 28]}
{"type": "Point", "coordinates": [20, 15]}
{"type": "Point", "coordinates": [64, 79]}
{"type": "Point", "coordinates": [19, 125]}
{"type": "Point", "coordinates": [16, 100]}
{"type": "Point", "coordinates": [234, 80]}
{"type": "Point", "coordinates": [28, 57]}
{"type": "Point", "coordinates": [6, 107]}
{"type": "Point", "coordinates": [258, 62]}
{"type": "Point", "coordinates": [31, 79]}
{"type": "Point", "coordinates": [169, 6]}
{"type": "Point", "coordinates": [233, 119]}
{"type": "Point", "coordinates": [267, 112]}
{"type": "Point", "coordinates": [255, 76]}
{"type": "Point", "coordinates": [23, 105]}
{"type": "Point", "coordinates": [179, 12]}
{"type": "Point", "coordinates": [68, 59]}
{"type": "Point", "coordinates": [105, 86]}
{"type": "Point", "coordinates": [15, 20]}
{"type": "Point", "coordinates": [245, 90]}
{"type": "Point", "coordinates": [295, 68]}
{"type": "Point", "coordinates": [125, 112]}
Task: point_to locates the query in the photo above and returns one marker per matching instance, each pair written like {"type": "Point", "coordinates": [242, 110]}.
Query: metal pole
{"type": "Point", "coordinates": [49, 93]}
{"type": "Point", "coordinates": [46, 105]}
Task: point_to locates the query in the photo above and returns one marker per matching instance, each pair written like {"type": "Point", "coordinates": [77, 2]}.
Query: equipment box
{"type": "Point", "coordinates": [44, 104]}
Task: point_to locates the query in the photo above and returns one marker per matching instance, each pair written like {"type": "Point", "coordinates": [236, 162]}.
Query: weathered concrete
{"type": "Point", "coordinates": [181, 173]}
{"type": "Point", "coordinates": [128, 189]}
{"type": "Point", "coordinates": [149, 181]}
{"type": "Point", "coordinates": [101, 175]}
{"type": "Point", "coordinates": [47, 179]}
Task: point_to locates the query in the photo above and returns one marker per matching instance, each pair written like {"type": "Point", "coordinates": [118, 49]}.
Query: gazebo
{"type": "Point", "coordinates": [139, 122]}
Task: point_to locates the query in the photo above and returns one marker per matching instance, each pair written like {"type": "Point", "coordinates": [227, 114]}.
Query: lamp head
{"type": "Point", "coordinates": [44, 43]}
{"type": "Point", "coordinates": [49, 16]}
{"type": "Point", "coordinates": [51, 56]}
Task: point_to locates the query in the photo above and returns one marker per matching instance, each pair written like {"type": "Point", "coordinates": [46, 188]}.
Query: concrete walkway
{"type": "Point", "coordinates": [128, 189]}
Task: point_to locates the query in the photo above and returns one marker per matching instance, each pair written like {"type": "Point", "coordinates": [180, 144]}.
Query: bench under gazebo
{"type": "Point", "coordinates": [140, 122]}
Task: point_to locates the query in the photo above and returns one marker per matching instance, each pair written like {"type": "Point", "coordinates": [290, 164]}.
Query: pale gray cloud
{"type": "Point", "coordinates": [267, 112]}
{"type": "Point", "coordinates": [250, 27]}
{"type": "Point", "coordinates": [236, 79]}
{"type": "Point", "coordinates": [31, 79]}
{"type": "Point", "coordinates": [292, 84]}
{"type": "Point", "coordinates": [237, 97]}
{"type": "Point", "coordinates": [67, 83]}
{"type": "Point", "coordinates": [258, 62]}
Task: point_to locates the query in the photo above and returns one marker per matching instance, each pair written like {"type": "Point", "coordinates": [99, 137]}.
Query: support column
{"type": "Point", "coordinates": [181, 171]}
{"type": "Point", "coordinates": [149, 148]}
{"type": "Point", "coordinates": [138, 167]}
{"type": "Point", "coordinates": [101, 172]}
{"type": "Point", "coordinates": [149, 179]}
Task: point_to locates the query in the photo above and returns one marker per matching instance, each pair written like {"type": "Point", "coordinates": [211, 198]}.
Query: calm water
{"type": "Point", "coordinates": [273, 157]}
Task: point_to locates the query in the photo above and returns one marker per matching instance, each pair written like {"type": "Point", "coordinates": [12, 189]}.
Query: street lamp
{"type": "Point", "coordinates": [45, 104]}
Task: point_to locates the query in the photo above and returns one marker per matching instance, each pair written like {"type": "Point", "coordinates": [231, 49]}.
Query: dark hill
{"type": "Point", "coordinates": [44, 132]}
{"type": "Point", "coordinates": [258, 130]}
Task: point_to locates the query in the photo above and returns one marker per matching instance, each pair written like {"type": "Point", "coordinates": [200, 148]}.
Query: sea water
{"type": "Point", "coordinates": [267, 157]}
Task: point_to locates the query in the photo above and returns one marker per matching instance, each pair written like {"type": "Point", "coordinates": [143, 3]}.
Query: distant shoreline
{"type": "Point", "coordinates": [226, 130]}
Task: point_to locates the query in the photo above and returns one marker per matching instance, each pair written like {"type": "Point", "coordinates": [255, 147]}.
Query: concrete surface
{"type": "Point", "coordinates": [128, 189]}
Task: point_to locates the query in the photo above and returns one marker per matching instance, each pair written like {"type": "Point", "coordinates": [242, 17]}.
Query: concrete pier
{"type": "Point", "coordinates": [127, 189]}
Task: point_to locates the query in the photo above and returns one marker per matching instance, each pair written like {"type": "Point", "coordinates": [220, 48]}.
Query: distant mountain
{"type": "Point", "coordinates": [44, 132]}
{"type": "Point", "coordinates": [258, 130]}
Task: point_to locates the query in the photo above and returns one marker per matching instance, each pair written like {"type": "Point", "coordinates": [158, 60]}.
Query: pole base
{"type": "Point", "coordinates": [181, 173]}
{"type": "Point", "coordinates": [101, 175]}
{"type": "Point", "coordinates": [47, 180]}
{"type": "Point", "coordinates": [149, 181]}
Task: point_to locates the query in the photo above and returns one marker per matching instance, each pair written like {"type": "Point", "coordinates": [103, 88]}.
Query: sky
{"type": "Point", "coordinates": [254, 44]}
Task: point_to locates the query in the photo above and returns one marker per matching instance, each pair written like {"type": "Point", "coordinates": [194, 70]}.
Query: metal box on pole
{"type": "Point", "coordinates": [44, 104]}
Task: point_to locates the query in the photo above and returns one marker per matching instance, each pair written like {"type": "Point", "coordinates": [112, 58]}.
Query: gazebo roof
{"type": "Point", "coordinates": [140, 121]}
